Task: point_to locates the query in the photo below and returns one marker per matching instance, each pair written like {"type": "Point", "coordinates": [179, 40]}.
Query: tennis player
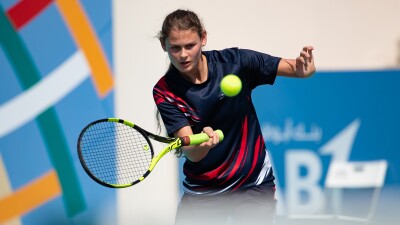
{"type": "Point", "coordinates": [233, 179]}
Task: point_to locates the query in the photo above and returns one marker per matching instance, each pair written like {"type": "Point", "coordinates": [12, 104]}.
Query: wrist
{"type": "Point", "coordinates": [195, 153]}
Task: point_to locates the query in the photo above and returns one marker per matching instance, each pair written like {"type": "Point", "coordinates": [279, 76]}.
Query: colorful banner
{"type": "Point", "coordinates": [56, 77]}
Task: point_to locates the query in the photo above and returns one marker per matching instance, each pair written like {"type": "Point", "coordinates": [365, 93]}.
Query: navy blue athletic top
{"type": "Point", "coordinates": [240, 161]}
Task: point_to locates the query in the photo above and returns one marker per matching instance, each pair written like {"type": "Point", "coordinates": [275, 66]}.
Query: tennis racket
{"type": "Point", "coordinates": [118, 154]}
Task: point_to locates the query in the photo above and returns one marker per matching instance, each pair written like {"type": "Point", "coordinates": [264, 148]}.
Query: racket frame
{"type": "Point", "coordinates": [173, 143]}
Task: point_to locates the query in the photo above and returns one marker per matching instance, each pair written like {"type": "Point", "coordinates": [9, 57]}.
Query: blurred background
{"type": "Point", "coordinates": [332, 138]}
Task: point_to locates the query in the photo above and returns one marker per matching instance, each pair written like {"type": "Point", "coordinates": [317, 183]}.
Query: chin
{"type": "Point", "coordinates": [185, 69]}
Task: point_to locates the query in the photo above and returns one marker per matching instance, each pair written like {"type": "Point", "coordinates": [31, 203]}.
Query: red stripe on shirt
{"type": "Point", "coordinates": [255, 159]}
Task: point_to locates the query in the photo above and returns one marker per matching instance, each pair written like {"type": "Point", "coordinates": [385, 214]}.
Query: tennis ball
{"type": "Point", "coordinates": [231, 85]}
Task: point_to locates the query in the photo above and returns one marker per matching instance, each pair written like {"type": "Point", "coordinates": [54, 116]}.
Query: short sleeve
{"type": "Point", "coordinates": [260, 68]}
{"type": "Point", "coordinates": [172, 117]}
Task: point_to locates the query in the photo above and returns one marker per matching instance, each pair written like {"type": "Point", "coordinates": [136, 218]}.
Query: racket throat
{"type": "Point", "coordinates": [144, 175]}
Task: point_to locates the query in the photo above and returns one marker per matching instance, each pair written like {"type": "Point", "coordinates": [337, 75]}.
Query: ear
{"type": "Point", "coordinates": [163, 46]}
{"type": "Point", "coordinates": [204, 38]}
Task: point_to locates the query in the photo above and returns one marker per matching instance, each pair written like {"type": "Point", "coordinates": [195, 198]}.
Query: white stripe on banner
{"type": "Point", "coordinates": [51, 89]}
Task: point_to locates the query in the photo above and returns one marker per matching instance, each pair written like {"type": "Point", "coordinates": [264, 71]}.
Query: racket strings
{"type": "Point", "coordinates": [115, 153]}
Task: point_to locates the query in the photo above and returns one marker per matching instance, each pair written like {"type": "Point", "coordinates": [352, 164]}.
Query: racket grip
{"type": "Point", "coordinates": [197, 139]}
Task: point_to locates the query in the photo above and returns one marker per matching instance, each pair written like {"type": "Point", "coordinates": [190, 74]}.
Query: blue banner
{"type": "Point", "coordinates": [333, 116]}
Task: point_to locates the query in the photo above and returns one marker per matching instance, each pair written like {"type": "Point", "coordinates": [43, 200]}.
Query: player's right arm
{"type": "Point", "coordinates": [196, 153]}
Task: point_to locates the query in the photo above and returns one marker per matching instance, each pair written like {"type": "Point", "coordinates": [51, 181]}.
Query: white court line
{"type": "Point", "coordinates": [51, 89]}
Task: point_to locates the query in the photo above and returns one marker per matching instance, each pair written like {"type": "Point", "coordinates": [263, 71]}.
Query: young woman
{"type": "Point", "coordinates": [233, 178]}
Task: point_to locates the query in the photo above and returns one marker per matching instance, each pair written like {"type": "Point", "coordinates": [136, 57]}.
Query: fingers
{"type": "Point", "coordinates": [310, 51]}
{"type": "Point", "coordinates": [305, 62]}
{"type": "Point", "coordinates": [306, 54]}
{"type": "Point", "coordinates": [301, 59]}
{"type": "Point", "coordinates": [214, 137]}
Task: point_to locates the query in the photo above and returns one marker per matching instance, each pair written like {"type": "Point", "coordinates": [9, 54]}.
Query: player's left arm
{"type": "Point", "coordinates": [302, 67]}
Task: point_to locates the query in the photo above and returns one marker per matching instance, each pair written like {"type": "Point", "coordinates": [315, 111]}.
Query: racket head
{"type": "Point", "coordinates": [115, 153]}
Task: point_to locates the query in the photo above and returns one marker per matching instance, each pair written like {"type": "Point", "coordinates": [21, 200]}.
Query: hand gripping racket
{"type": "Point", "coordinates": [118, 154]}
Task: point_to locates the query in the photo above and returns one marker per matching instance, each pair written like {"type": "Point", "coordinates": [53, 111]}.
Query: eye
{"type": "Point", "coordinates": [190, 46]}
{"type": "Point", "coordinates": [175, 48]}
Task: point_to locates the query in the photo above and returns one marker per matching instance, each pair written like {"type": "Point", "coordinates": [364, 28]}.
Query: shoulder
{"type": "Point", "coordinates": [170, 77]}
{"type": "Point", "coordinates": [234, 55]}
{"type": "Point", "coordinates": [161, 84]}
{"type": "Point", "coordinates": [228, 55]}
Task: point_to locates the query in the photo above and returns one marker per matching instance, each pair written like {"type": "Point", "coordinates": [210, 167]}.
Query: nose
{"type": "Point", "coordinates": [183, 53]}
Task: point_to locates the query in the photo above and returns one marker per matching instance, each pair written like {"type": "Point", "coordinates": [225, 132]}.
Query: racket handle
{"type": "Point", "coordinates": [197, 139]}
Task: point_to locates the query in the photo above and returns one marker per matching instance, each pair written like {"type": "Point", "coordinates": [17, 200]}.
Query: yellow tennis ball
{"type": "Point", "coordinates": [231, 85]}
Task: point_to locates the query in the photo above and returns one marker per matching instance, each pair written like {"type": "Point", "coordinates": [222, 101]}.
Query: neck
{"type": "Point", "coordinates": [200, 74]}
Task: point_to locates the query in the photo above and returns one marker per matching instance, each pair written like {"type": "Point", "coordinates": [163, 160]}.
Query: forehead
{"type": "Point", "coordinates": [179, 37]}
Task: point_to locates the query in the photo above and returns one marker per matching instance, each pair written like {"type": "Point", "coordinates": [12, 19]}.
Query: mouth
{"type": "Point", "coordinates": [185, 64]}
